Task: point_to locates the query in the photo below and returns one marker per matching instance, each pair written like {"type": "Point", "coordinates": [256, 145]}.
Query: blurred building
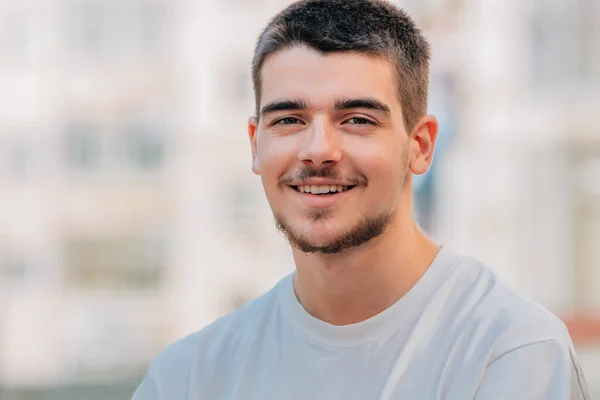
{"type": "Point", "coordinates": [522, 182]}
{"type": "Point", "coordinates": [520, 187]}
{"type": "Point", "coordinates": [128, 213]}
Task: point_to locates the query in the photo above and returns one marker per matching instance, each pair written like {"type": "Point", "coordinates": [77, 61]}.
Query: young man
{"type": "Point", "coordinates": [375, 309]}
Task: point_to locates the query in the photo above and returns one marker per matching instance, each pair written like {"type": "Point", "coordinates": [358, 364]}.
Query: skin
{"type": "Point", "coordinates": [365, 145]}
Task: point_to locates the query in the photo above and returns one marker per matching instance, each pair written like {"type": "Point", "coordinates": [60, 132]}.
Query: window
{"type": "Point", "coordinates": [16, 39]}
{"type": "Point", "coordinates": [442, 103]}
{"type": "Point", "coordinates": [20, 158]}
{"type": "Point", "coordinates": [234, 83]}
{"type": "Point", "coordinates": [590, 176]}
{"type": "Point", "coordinates": [84, 146]}
{"type": "Point", "coordinates": [144, 143]}
{"type": "Point", "coordinates": [566, 43]}
{"type": "Point", "coordinates": [13, 268]}
{"type": "Point", "coordinates": [241, 89]}
{"type": "Point", "coordinates": [586, 228]}
{"type": "Point", "coordinates": [432, 14]}
{"type": "Point", "coordinates": [115, 29]}
{"type": "Point", "coordinates": [418, 8]}
{"type": "Point", "coordinates": [242, 207]}
{"type": "Point", "coordinates": [115, 263]}
{"type": "Point", "coordinates": [96, 146]}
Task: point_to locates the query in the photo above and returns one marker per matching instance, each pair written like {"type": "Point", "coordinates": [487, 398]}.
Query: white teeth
{"type": "Point", "coordinates": [324, 189]}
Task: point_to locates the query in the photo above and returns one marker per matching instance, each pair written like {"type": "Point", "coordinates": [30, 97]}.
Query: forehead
{"type": "Point", "coordinates": [320, 79]}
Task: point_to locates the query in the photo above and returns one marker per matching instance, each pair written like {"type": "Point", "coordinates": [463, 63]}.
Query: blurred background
{"type": "Point", "coordinates": [129, 216]}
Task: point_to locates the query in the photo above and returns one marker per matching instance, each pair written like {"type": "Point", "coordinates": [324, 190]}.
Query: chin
{"type": "Point", "coordinates": [328, 236]}
{"type": "Point", "coordinates": [323, 228]}
{"type": "Point", "coordinates": [316, 233]}
{"type": "Point", "coordinates": [319, 239]}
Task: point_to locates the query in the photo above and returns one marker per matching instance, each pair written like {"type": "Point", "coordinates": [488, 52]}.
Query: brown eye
{"type": "Point", "coordinates": [287, 121]}
{"type": "Point", "coordinates": [360, 121]}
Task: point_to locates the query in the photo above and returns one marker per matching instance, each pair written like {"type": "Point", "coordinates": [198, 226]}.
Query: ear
{"type": "Point", "coordinates": [252, 134]}
{"type": "Point", "coordinates": [422, 144]}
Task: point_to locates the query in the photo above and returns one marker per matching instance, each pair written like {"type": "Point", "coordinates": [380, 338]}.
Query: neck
{"type": "Point", "coordinates": [360, 283]}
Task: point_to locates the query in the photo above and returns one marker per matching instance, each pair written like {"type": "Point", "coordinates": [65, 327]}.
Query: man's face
{"type": "Point", "coordinates": [331, 146]}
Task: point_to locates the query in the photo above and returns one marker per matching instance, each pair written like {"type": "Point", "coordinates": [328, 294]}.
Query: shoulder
{"type": "Point", "coordinates": [500, 313]}
{"type": "Point", "coordinates": [220, 338]}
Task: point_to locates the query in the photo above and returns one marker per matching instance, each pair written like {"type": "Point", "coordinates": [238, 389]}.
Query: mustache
{"type": "Point", "coordinates": [327, 173]}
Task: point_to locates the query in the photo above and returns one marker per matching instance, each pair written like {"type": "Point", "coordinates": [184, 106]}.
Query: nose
{"type": "Point", "coordinates": [321, 148]}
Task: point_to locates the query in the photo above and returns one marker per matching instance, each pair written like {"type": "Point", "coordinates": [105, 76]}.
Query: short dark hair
{"type": "Point", "coordinates": [372, 27]}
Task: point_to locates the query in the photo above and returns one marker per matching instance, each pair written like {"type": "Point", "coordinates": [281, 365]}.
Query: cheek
{"type": "Point", "coordinates": [376, 159]}
{"type": "Point", "coordinates": [276, 157]}
{"type": "Point", "coordinates": [384, 165]}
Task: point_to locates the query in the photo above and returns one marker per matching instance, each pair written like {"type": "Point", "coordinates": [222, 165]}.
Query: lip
{"type": "Point", "coordinates": [316, 201]}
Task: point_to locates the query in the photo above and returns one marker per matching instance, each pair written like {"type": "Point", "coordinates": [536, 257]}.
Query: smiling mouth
{"type": "Point", "coordinates": [322, 190]}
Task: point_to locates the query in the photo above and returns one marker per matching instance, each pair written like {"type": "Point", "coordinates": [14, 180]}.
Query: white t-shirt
{"type": "Point", "coordinates": [459, 333]}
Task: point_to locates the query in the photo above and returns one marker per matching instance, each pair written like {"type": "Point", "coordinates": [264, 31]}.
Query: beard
{"type": "Point", "coordinates": [365, 230]}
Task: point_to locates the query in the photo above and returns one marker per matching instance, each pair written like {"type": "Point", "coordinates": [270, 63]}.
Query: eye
{"type": "Point", "coordinates": [287, 121]}
{"type": "Point", "coordinates": [360, 121]}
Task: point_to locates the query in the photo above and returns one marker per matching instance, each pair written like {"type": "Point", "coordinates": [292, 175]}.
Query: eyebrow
{"type": "Point", "coordinates": [340, 104]}
{"type": "Point", "coordinates": [371, 104]}
{"type": "Point", "coordinates": [283, 105]}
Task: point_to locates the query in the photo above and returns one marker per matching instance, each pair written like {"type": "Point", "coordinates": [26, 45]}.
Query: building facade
{"type": "Point", "coordinates": [128, 213]}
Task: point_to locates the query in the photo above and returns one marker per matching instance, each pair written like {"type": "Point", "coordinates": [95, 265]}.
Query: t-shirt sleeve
{"type": "Point", "coordinates": [544, 370]}
{"type": "Point", "coordinates": [147, 390]}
